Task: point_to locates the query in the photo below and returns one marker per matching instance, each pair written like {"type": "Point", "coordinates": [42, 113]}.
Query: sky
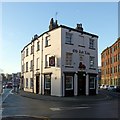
{"type": "Point", "coordinates": [22, 20]}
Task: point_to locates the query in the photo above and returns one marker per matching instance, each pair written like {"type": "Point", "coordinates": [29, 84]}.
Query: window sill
{"type": "Point", "coordinates": [47, 67]}
{"type": "Point", "coordinates": [37, 69]}
{"type": "Point", "coordinates": [92, 88]}
{"type": "Point", "coordinates": [68, 66]}
{"type": "Point", "coordinates": [47, 88]}
{"type": "Point", "coordinates": [37, 50]}
{"type": "Point", "coordinates": [81, 46]}
{"type": "Point", "coordinates": [69, 43]}
{"type": "Point", "coordinates": [69, 89]}
{"type": "Point", "coordinates": [93, 68]}
{"type": "Point", "coordinates": [47, 46]}
{"type": "Point", "coordinates": [92, 48]}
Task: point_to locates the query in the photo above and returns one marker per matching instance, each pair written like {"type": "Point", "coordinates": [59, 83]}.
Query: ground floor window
{"type": "Point", "coordinates": [47, 81]}
{"type": "Point", "coordinates": [31, 82]}
{"type": "Point", "coordinates": [92, 82]}
{"type": "Point", "coordinates": [26, 82]}
{"type": "Point", "coordinates": [69, 82]}
{"type": "Point", "coordinates": [118, 81]}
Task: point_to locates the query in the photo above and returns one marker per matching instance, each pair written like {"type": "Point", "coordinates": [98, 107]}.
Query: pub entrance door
{"type": "Point", "coordinates": [81, 83]}
{"type": "Point", "coordinates": [37, 84]}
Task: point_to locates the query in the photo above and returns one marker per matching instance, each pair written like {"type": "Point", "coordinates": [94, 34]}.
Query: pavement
{"type": "Point", "coordinates": [23, 118]}
{"type": "Point", "coordinates": [101, 96]}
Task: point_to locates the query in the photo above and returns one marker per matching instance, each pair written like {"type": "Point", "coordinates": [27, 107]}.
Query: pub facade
{"type": "Point", "coordinates": [62, 61]}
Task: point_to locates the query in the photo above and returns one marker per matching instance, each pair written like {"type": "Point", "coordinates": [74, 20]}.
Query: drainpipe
{"type": "Point", "coordinates": [33, 68]}
{"type": "Point", "coordinates": [41, 69]}
{"type": "Point", "coordinates": [23, 69]}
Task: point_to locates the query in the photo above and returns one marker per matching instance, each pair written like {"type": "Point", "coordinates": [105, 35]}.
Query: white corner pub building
{"type": "Point", "coordinates": [62, 61]}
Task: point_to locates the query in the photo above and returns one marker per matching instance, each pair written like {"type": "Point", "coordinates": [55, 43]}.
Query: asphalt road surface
{"type": "Point", "coordinates": [16, 107]}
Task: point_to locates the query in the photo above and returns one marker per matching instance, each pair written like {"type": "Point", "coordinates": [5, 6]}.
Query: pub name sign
{"type": "Point", "coordinates": [81, 51]}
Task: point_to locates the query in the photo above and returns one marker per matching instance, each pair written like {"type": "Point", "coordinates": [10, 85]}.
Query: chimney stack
{"type": "Point", "coordinates": [53, 24]}
{"type": "Point", "coordinates": [79, 27]}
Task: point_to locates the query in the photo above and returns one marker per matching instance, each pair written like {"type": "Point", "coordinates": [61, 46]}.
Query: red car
{"type": "Point", "coordinates": [9, 85]}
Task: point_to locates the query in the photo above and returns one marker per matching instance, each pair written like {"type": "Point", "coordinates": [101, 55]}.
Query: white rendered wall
{"type": "Point", "coordinates": [53, 50]}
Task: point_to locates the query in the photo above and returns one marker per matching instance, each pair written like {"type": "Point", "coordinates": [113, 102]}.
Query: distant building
{"type": "Point", "coordinates": [16, 77]}
{"type": "Point", "coordinates": [62, 61]}
{"type": "Point", "coordinates": [110, 60]}
{"type": "Point", "coordinates": [0, 83]}
{"type": "Point", "coordinates": [1, 78]}
{"type": "Point", "coordinates": [9, 77]}
{"type": "Point", "coordinates": [99, 75]}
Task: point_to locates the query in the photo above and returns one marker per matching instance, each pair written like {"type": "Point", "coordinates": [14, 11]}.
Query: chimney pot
{"type": "Point", "coordinates": [79, 27]}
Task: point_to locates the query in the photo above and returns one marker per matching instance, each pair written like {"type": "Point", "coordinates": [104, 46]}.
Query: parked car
{"type": "Point", "coordinates": [3, 87]}
{"type": "Point", "coordinates": [112, 87]}
{"type": "Point", "coordinates": [101, 86]}
{"type": "Point", "coordinates": [118, 89]}
{"type": "Point", "coordinates": [106, 87]}
{"type": "Point", "coordinates": [9, 85]}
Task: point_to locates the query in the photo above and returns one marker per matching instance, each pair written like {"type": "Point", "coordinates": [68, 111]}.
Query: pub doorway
{"type": "Point", "coordinates": [37, 84]}
{"type": "Point", "coordinates": [81, 83]}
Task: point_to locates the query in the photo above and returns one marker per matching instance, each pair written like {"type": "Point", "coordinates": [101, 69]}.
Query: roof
{"type": "Point", "coordinates": [62, 26]}
{"type": "Point", "coordinates": [110, 46]}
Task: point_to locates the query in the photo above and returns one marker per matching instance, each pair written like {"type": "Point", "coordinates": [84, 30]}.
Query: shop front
{"type": "Point", "coordinates": [69, 83]}
{"type": "Point", "coordinates": [92, 83]}
{"type": "Point", "coordinates": [47, 84]}
{"type": "Point", "coordinates": [81, 83]}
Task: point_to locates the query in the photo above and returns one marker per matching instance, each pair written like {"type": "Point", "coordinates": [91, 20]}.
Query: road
{"type": "Point", "coordinates": [18, 106]}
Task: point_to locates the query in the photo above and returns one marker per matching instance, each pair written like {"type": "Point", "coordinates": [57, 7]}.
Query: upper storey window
{"type": "Point", "coordinates": [119, 44]}
{"type": "Point", "coordinates": [38, 45]}
{"type": "Point", "coordinates": [91, 43]}
{"type": "Point", "coordinates": [32, 49]}
{"type": "Point", "coordinates": [47, 41]}
{"type": "Point", "coordinates": [81, 41]}
{"type": "Point", "coordinates": [26, 52]}
{"type": "Point", "coordinates": [92, 62]}
{"type": "Point", "coordinates": [69, 59]}
{"type": "Point", "coordinates": [68, 38]}
{"type": "Point", "coordinates": [23, 55]}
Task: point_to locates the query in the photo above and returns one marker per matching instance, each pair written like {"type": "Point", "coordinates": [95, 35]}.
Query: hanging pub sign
{"type": "Point", "coordinates": [52, 61]}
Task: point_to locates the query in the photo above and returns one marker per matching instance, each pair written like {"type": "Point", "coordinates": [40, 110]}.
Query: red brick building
{"type": "Point", "coordinates": [110, 64]}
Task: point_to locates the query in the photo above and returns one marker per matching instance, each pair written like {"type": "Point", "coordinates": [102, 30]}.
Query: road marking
{"type": "Point", "coordinates": [11, 92]}
{"type": "Point", "coordinates": [55, 109]}
{"type": "Point", "coordinates": [7, 96]}
{"type": "Point", "coordinates": [69, 108]}
{"type": "Point", "coordinates": [43, 117]}
{"type": "Point", "coordinates": [1, 109]}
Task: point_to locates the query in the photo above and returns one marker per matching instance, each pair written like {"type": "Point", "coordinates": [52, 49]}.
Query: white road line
{"type": "Point", "coordinates": [45, 117]}
{"type": "Point", "coordinates": [55, 109]}
{"type": "Point", "coordinates": [68, 108]}
{"type": "Point", "coordinates": [11, 92]}
{"type": "Point", "coordinates": [7, 96]}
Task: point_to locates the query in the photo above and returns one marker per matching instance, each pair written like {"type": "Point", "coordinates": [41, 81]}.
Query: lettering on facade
{"type": "Point", "coordinates": [81, 51]}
